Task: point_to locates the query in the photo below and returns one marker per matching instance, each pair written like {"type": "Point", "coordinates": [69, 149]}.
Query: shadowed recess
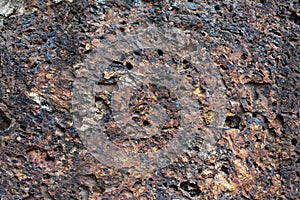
{"type": "Point", "coordinates": [4, 121]}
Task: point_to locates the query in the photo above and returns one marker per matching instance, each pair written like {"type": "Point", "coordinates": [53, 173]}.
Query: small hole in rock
{"type": "Point", "coordinates": [191, 188]}
{"type": "Point", "coordinates": [174, 187]}
{"type": "Point", "coordinates": [279, 120]}
{"type": "Point", "coordinates": [295, 18]}
{"type": "Point", "coordinates": [233, 121]}
{"type": "Point", "coordinates": [48, 158]}
{"type": "Point", "coordinates": [244, 56]}
{"type": "Point", "coordinates": [23, 127]}
{"type": "Point", "coordinates": [137, 184]}
{"type": "Point", "coordinates": [4, 121]}
{"type": "Point", "coordinates": [225, 169]}
{"type": "Point", "coordinates": [146, 123]}
{"type": "Point", "coordinates": [196, 148]}
{"type": "Point", "coordinates": [138, 52]}
{"type": "Point", "coordinates": [263, 1]}
{"type": "Point", "coordinates": [46, 176]}
{"type": "Point", "coordinates": [186, 66]}
{"type": "Point", "coordinates": [135, 119]}
{"type": "Point", "coordinates": [294, 142]}
{"type": "Point", "coordinates": [185, 61]}
{"type": "Point", "coordinates": [129, 65]}
{"type": "Point", "coordinates": [223, 67]}
{"type": "Point", "coordinates": [160, 52]}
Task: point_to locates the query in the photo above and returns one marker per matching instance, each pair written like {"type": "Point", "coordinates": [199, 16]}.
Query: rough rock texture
{"type": "Point", "coordinates": [7, 7]}
{"type": "Point", "coordinates": [253, 44]}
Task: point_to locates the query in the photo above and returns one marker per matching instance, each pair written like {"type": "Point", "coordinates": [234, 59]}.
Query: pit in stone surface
{"type": "Point", "coordinates": [4, 121]}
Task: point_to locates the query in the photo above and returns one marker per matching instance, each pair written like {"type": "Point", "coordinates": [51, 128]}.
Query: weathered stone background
{"type": "Point", "coordinates": [255, 47]}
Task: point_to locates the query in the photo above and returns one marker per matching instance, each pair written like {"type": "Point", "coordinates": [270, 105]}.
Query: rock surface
{"type": "Point", "coordinates": [254, 46]}
{"type": "Point", "coordinates": [7, 7]}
